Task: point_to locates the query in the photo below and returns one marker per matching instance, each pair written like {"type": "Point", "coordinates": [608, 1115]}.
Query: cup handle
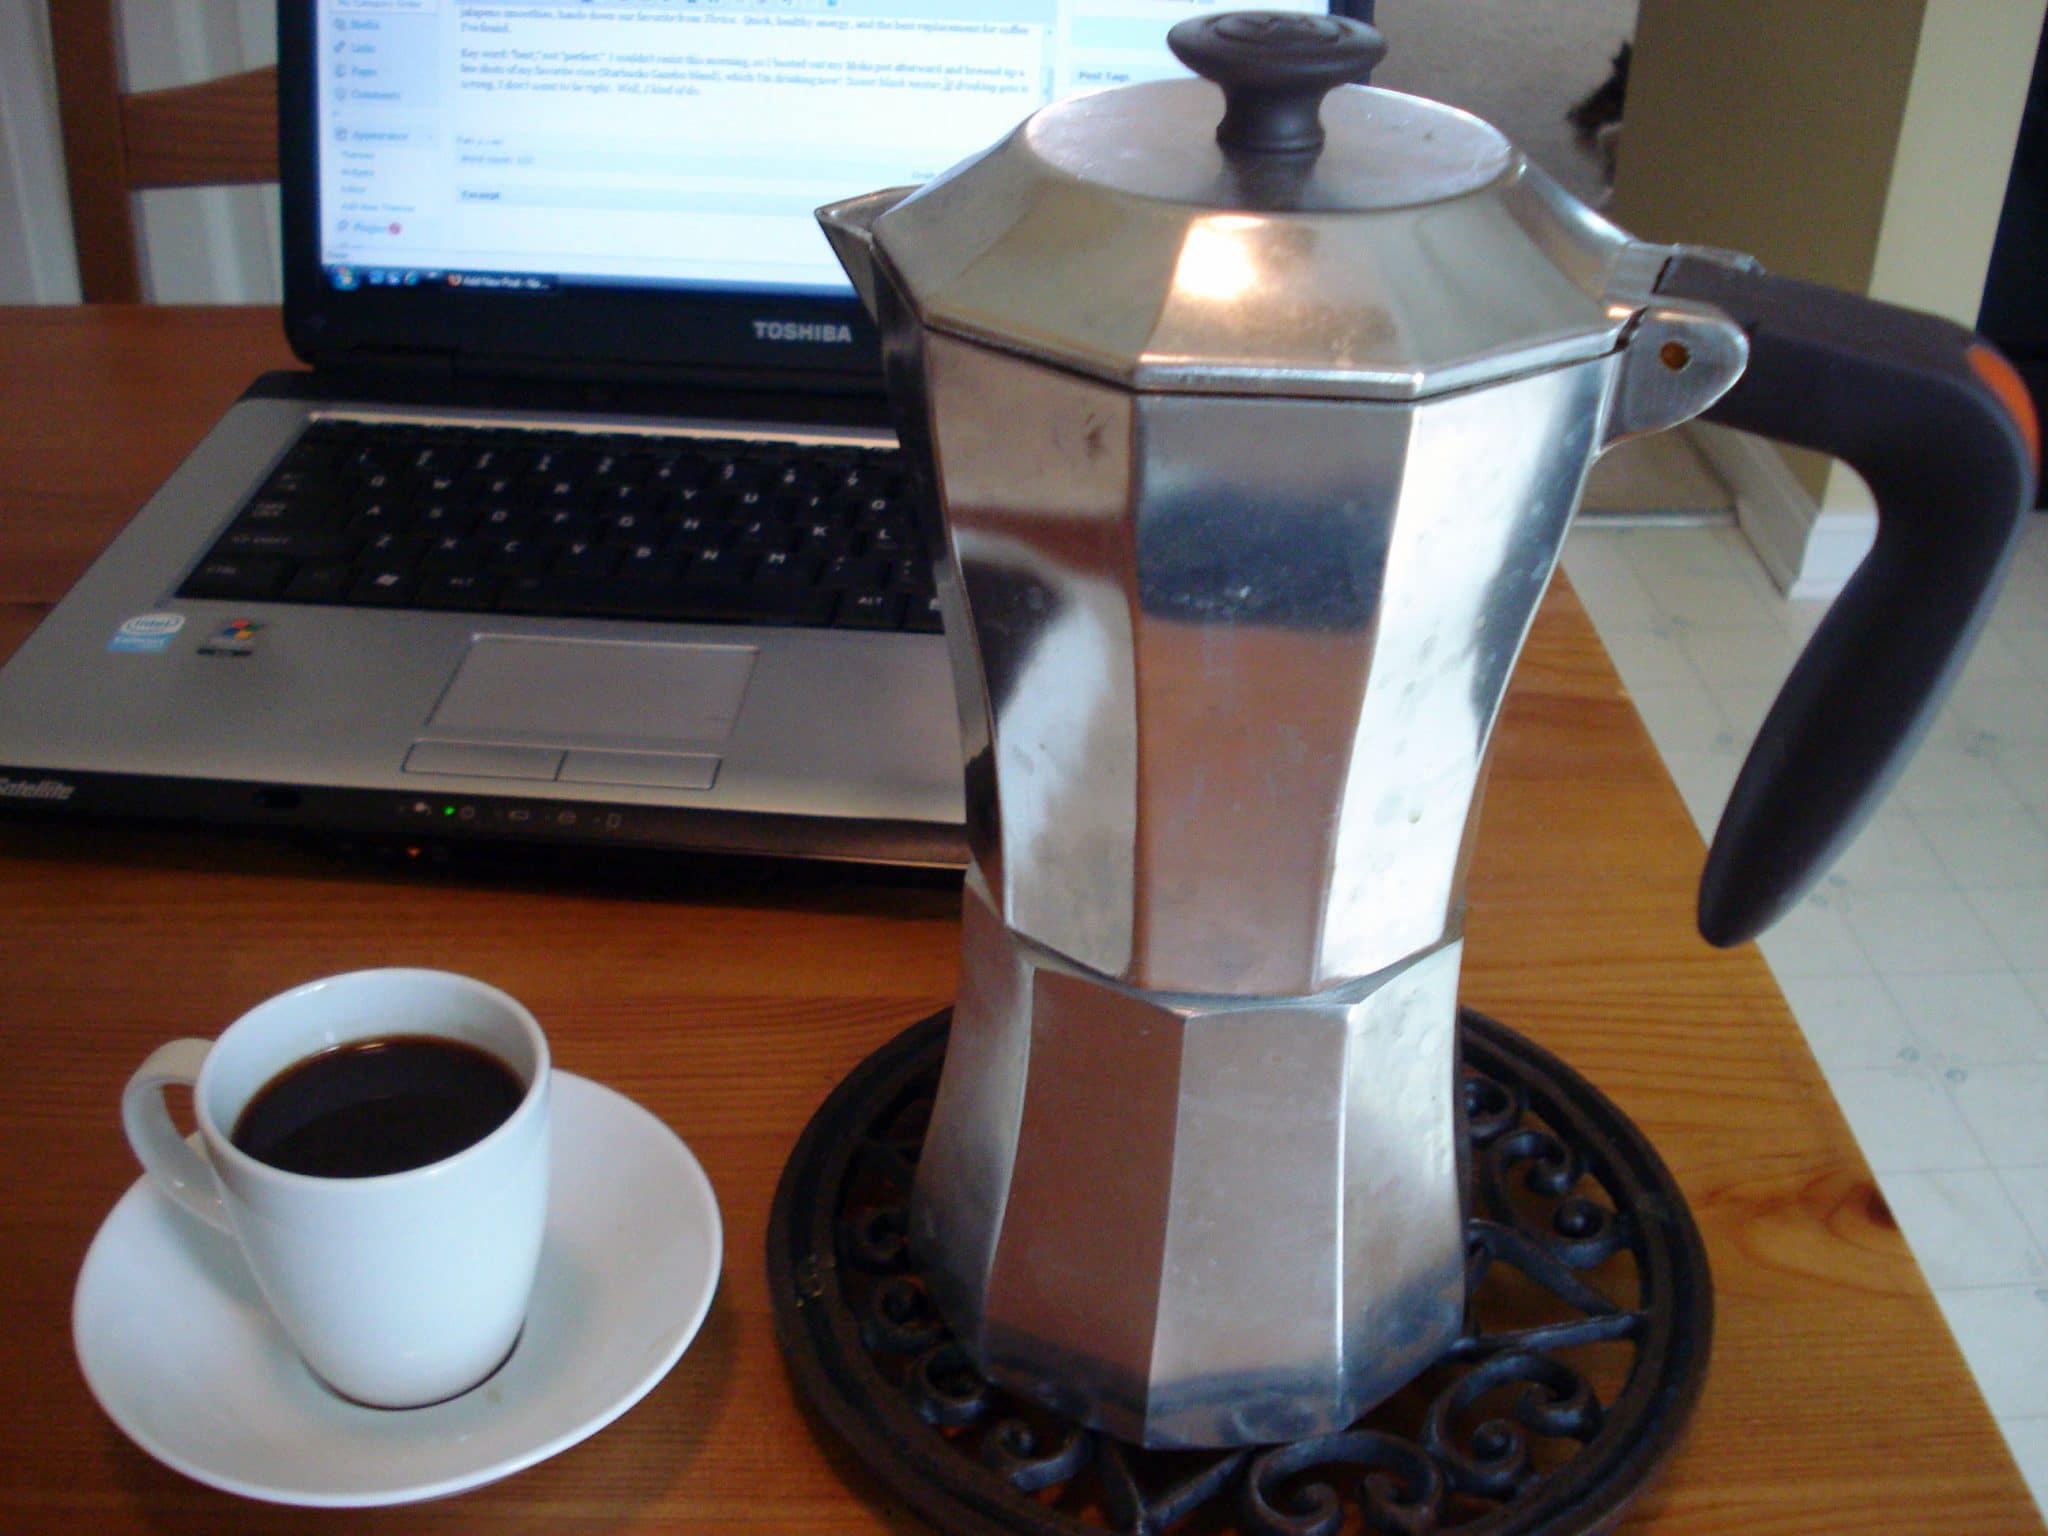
{"type": "Point", "coordinates": [169, 1160]}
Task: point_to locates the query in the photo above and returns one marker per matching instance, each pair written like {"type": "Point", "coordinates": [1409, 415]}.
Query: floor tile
{"type": "Point", "coordinates": [1956, 771]}
{"type": "Point", "coordinates": [1904, 1119]}
{"type": "Point", "coordinates": [2036, 982]}
{"type": "Point", "coordinates": [1683, 719]}
{"type": "Point", "coordinates": [1974, 1020]}
{"type": "Point", "coordinates": [1708, 553]}
{"type": "Point", "coordinates": [1814, 939]}
{"type": "Point", "coordinates": [1602, 576]}
{"type": "Point", "coordinates": [2013, 708]}
{"type": "Point", "coordinates": [1892, 852]}
{"type": "Point", "coordinates": [2018, 921]}
{"type": "Point", "coordinates": [2030, 644]}
{"type": "Point", "coordinates": [1988, 852]}
{"type": "Point", "coordinates": [1653, 659]}
{"type": "Point", "coordinates": [2024, 602]}
{"type": "Point", "coordinates": [2033, 795]}
{"type": "Point", "coordinates": [1908, 932]}
{"type": "Point", "coordinates": [1964, 1229]}
{"type": "Point", "coordinates": [2027, 1188]}
{"type": "Point", "coordinates": [1743, 704]}
{"type": "Point", "coordinates": [1800, 617]}
{"type": "Point", "coordinates": [2007, 1109]}
{"type": "Point", "coordinates": [1760, 654]}
{"type": "Point", "coordinates": [2003, 1331]}
{"type": "Point", "coordinates": [1850, 1021]}
{"type": "Point", "coordinates": [1703, 600]}
{"type": "Point", "coordinates": [1992, 659]}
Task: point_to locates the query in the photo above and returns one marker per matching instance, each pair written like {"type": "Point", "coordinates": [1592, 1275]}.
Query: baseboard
{"type": "Point", "coordinates": [1809, 551]}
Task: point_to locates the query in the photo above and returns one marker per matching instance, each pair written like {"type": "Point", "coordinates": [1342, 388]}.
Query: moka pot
{"type": "Point", "coordinates": [1250, 413]}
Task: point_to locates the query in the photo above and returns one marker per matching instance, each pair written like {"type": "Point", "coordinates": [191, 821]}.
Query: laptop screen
{"type": "Point", "coordinates": [612, 185]}
{"type": "Point", "coordinates": [673, 142]}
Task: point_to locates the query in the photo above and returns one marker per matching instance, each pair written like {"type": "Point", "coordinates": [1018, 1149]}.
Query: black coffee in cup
{"type": "Point", "coordinates": [378, 1106]}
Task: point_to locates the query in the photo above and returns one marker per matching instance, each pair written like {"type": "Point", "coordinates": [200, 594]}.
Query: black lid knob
{"type": "Point", "coordinates": [1275, 67]}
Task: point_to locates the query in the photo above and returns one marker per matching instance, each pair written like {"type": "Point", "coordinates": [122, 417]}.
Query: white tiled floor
{"type": "Point", "coordinates": [1919, 967]}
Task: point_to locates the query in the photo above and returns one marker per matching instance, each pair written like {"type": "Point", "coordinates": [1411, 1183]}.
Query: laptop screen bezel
{"type": "Point", "coordinates": [660, 334]}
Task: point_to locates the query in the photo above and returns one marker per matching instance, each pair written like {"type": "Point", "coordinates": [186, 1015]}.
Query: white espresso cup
{"type": "Point", "coordinates": [398, 1289]}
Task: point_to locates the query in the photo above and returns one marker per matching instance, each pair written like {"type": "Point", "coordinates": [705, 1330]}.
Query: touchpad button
{"type": "Point", "coordinates": [620, 692]}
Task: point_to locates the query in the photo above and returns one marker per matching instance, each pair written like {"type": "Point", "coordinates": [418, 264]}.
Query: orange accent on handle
{"type": "Point", "coordinates": [2012, 393]}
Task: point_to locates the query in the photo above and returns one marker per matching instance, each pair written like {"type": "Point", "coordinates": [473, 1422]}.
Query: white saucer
{"type": "Point", "coordinates": [178, 1347]}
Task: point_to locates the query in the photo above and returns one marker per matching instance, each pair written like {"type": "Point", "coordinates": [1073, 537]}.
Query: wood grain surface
{"type": "Point", "coordinates": [730, 998]}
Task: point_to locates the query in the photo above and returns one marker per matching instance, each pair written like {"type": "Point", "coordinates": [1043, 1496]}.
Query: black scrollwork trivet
{"type": "Point", "coordinates": [1585, 1343]}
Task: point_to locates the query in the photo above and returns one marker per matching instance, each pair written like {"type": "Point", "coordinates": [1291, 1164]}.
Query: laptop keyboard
{"type": "Point", "coordinates": [580, 525]}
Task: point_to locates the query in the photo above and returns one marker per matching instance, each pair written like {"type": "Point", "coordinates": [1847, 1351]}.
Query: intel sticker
{"type": "Point", "coordinates": [147, 632]}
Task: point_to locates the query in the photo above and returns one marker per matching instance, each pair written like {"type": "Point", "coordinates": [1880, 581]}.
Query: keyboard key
{"type": "Point", "coordinates": [440, 515]}
{"type": "Point", "coordinates": [889, 540]}
{"type": "Point", "coordinates": [869, 610]}
{"type": "Point", "coordinates": [319, 584]}
{"type": "Point", "coordinates": [376, 515]}
{"type": "Point", "coordinates": [627, 527]}
{"type": "Point", "coordinates": [268, 511]}
{"type": "Point", "coordinates": [779, 566]}
{"type": "Point", "coordinates": [570, 524]}
{"type": "Point", "coordinates": [585, 559]}
{"type": "Point", "coordinates": [713, 566]}
{"type": "Point", "coordinates": [516, 557]}
{"type": "Point", "coordinates": [761, 534]}
{"type": "Point", "coordinates": [675, 472]}
{"type": "Point", "coordinates": [848, 574]}
{"type": "Point", "coordinates": [454, 553]}
{"type": "Point", "coordinates": [304, 486]}
{"type": "Point", "coordinates": [458, 589]}
{"type": "Point", "coordinates": [913, 574]}
{"type": "Point", "coordinates": [557, 461]}
{"type": "Point", "coordinates": [647, 562]}
{"type": "Point", "coordinates": [236, 576]}
{"type": "Point", "coordinates": [498, 519]}
{"type": "Point", "coordinates": [383, 589]}
{"type": "Point", "coordinates": [285, 544]}
{"type": "Point", "coordinates": [824, 539]}
{"type": "Point", "coordinates": [391, 550]}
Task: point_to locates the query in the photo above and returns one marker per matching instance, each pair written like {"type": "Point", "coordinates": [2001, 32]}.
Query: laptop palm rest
{"type": "Point", "coordinates": [644, 712]}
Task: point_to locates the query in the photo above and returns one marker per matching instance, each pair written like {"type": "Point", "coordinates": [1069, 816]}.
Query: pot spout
{"type": "Point", "coordinates": [850, 226]}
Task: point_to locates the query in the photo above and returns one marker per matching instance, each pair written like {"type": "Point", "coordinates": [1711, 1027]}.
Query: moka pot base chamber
{"type": "Point", "coordinates": [1587, 1327]}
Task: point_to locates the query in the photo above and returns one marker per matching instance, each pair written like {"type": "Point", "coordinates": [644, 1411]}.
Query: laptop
{"type": "Point", "coordinates": [584, 524]}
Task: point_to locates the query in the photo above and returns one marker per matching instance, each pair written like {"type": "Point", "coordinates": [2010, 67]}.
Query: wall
{"type": "Point", "coordinates": [37, 263]}
{"type": "Point", "coordinates": [203, 244]}
{"type": "Point", "coordinates": [1863, 143]}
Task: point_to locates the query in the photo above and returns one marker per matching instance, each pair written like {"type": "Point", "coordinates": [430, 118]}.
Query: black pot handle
{"type": "Point", "coordinates": [1941, 428]}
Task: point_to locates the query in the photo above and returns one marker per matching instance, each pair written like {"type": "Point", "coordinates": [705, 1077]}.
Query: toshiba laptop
{"type": "Point", "coordinates": [584, 524]}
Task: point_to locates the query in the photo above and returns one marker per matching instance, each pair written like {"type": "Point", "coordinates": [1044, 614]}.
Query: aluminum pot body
{"type": "Point", "coordinates": [1227, 666]}
{"type": "Point", "coordinates": [1227, 670]}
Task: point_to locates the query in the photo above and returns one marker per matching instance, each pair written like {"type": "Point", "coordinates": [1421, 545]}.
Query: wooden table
{"type": "Point", "coordinates": [730, 1002]}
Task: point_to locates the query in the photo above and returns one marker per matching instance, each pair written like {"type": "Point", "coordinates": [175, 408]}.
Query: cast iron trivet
{"type": "Point", "coordinates": [1585, 1342]}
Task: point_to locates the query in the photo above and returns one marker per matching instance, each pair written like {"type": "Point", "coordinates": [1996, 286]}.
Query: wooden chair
{"type": "Point", "coordinates": [219, 132]}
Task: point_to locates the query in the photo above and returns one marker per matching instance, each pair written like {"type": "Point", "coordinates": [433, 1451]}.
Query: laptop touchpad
{"type": "Point", "coordinates": [622, 692]}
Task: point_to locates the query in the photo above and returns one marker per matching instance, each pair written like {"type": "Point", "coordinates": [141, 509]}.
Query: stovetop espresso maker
{"type": "Point", "coordinates": [1251, 411]}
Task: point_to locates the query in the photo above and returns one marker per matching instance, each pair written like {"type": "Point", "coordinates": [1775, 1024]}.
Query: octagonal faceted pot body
{"type": "Point", "coordinates": [1194, 1221]}
{"type": "Point", "coordinates": [1228, 665]}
